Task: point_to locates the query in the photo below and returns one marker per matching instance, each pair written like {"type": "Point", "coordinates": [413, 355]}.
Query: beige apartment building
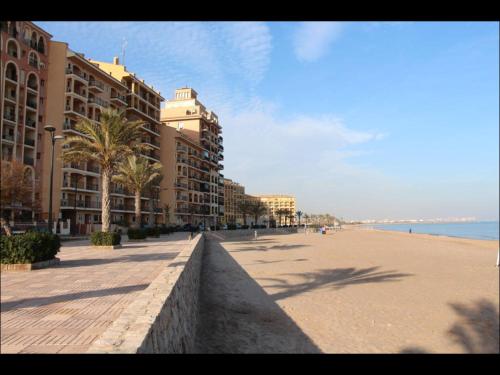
{"type": "Point", "coordinates": [276, 202]}
{"type": "Point", "coordinates": [24, 50]}
{"type": "Point", "coordinates": [196, 134]}
{"type": "Point", "coordinates": [234, 193]}
{"type": "Point", "coordinates": [80, 89]}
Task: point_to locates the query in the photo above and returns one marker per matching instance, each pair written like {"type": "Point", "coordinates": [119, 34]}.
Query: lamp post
{"type": "Point", "coordinates": [53, 138]}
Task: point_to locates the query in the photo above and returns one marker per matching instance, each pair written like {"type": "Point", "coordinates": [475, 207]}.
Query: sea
{"type": "Point", "coordinates": [480, 230]}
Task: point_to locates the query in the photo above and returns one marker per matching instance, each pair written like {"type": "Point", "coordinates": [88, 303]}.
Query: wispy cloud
{"type": "Point", "coordinates": [313, 39]}
{"type": "Point", "coordinates": [225, 61]}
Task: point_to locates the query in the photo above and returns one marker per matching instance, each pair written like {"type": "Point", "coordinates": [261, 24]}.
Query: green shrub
{"type": "Point", "coordinates": [29, 247]}
{"type": "Point", "coordinates": [136, 234]}
{"type": "Point", "coordinates": [105, 238]}
{"type": "Point", "coordinates": [153, 232]}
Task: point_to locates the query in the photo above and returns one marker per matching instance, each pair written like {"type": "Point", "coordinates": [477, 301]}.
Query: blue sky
{"type": "Point", "coordinates": [364, 120]}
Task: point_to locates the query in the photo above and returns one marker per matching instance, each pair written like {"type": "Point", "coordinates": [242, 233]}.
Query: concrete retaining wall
{"type": "Point", "coordinates": [163, 318]}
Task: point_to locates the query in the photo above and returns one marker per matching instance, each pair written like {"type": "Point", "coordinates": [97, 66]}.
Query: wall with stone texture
{"type": "Point", "coordinates": [163, 318]}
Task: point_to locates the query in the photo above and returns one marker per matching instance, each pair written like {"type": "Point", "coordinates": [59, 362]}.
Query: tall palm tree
{"type": "Point", "coordinates": [136, 173]}
{"type": "Point", "coordinates": [107, 144]}
{"type": "Point", "coordinates": [258, 209]}
{"type": "Point", "coordinates": [299, 214]}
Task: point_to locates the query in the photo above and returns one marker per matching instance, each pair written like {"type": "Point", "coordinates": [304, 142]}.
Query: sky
{"type": "Point", "coordinates": [362, 120]}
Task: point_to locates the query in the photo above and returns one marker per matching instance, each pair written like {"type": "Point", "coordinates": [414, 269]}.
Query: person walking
{"type": "Point", "coordinates": [410, 231]}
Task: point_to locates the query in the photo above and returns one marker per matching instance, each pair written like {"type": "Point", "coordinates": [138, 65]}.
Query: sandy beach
{"type": "Point", "coordinates": [353, 291]}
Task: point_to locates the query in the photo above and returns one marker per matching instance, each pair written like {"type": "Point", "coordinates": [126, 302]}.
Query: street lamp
{"type": "Point", "coordinates": [51, 129]}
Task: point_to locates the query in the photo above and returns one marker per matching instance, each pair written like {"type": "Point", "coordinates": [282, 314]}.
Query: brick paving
{"type": "Point", "coordinates": [65, 308]}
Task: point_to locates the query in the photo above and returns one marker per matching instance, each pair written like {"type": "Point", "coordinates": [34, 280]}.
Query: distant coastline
{"type": "Point", "coordinates": [477, 230]}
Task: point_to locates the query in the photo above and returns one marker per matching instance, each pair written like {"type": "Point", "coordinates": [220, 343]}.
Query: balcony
{"type": "Point", "coordinates": [181, 149]}
{"type": "Point", "coordinates": [31, 104]}
{"type": "Point", "coordinates": [151, 142]}
{"type": "Point", "coordinates": [8, 137]}
{"type": "Point", "coordinates": [179, 185]}
{"type": "Point", "coordinates": [30, 122]}
{"type": "Point", "coordinates": [152, 128]}
{"type": "Point", "coordinates": [29, 142]}
{"type": "Point", "coordinates": [80, 204]}
{"type": "Point", "coordinates": [75, 111]}
{"type": "Point", "coordinates": [9, 117]}
{"type": "Point", "coordinates": [122, 207]}
{"type": "Point", "coordinates": [80, 167]}
{"type": "Point", "coordinates": [96, 86]}
{"type": "Point", "coordinates": [98, 102]}
{"type": "Point", "coordinates": [119, 98]}
{"type": "Point", "coordinates": [77, 74]}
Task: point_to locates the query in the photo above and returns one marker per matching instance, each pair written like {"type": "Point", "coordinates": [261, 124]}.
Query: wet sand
{"type": "Point", "coordinates": [354, 291]}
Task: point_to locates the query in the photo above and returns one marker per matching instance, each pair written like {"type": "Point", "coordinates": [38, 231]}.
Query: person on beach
{"type": "Point", "coordinates": [410, 231]}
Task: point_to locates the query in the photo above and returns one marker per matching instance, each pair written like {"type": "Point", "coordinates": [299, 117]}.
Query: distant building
{"type": "Point", "coordinates": [276, 202]}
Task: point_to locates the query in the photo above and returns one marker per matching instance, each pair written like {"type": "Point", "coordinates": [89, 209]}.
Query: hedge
{"type": "Point", "coordinates": [105, 238]}
{"type": "Point", "coordinates": [153, 232]}
{"type": "Point", "coordinates": [30, 247]}
{"type": "Point", "coordinates": [136, 234]}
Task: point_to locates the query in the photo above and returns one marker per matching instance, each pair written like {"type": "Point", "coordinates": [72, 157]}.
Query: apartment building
{"type": "Point", "coordinates": [189, 117]}
{"type": "Point", "coordinates": [78, 90]}
{"type": "Point", "coordinates": [234, 193]}
{"type": "Point", "coordinates": [186, 185]}
{"type": "Point", "coordinates": [24, 50]}
{"type": "Point", "coordinates": [276, 202]}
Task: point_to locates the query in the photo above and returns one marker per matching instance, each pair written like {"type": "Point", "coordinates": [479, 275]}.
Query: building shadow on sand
{"type": "Point", "coordinates": [238, 316]}
{"type": "Point", "coordinates": [330, 278]}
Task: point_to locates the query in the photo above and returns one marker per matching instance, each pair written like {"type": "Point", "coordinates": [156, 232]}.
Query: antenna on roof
{"type": "Point", "coordinates": [124, 46]}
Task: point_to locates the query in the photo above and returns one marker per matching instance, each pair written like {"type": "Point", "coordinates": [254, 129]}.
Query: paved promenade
{"type": "Point", "coordinates": [64, 309]}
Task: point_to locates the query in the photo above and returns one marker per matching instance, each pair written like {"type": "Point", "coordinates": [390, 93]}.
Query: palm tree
{"type": "Point", "coordinates": [306, 217]}
{"type": "Point", "coordinates": [245, 209]}
{"type": "Point", "coordinates": [107, 144]}
{"type": "Point", "coordinates": [136, 173]}
{"type": "Point", "coordinates": [280, 212]}
{"type": "Point", "coordinates": [299, 214]}
{"type": "Point", "coordinates": [258, 209]}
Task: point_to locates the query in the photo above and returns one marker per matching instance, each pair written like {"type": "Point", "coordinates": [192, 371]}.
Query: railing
{"type": "Point", "coordinates": [181, 198]}
{"type": "Point", "coordinates": [9, 116]}
{"type": "Point", "coordinates": [71, 71]}
{"type": "Point", "coordinates": [29, 142]}
{"type": "Point", "coordinates": [30, 122]}
{"type": "Point", "coordinates": [31, 103]}
{"type": "Point", "coordinates": [98, 84]}
{"type": "Point", "coordinates": [177, 184]}
{"type": "Point", "coordinates": [119, 97]}
{"type": "Point", "coordinates": [151, 127]}
{"type": "Point", "coordinates": [122, 207]}
{"type": "Point", "coordinates": [99, 101]}
{"type": "Point", "coordinates": [80, 93]}
{"type": "Point", "coordinates": [182, 148]}
{"type": "Point", "coordinates": [80, 203]}
{"type": "Point", "coordinates": [8, 137]}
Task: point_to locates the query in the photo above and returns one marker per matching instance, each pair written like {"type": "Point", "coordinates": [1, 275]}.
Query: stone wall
{"type": "Point", "coordinates": [163, 318]}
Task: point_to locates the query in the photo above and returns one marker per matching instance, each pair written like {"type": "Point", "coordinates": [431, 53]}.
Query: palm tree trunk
{"type": "Point", "coordinates": [137, 209]}
{"type": "Point", "coordinates": [106, 208]}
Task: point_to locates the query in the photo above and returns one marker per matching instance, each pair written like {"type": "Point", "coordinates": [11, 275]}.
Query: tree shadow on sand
{"type": "Point", "coordinates": [268, 248]}
{"type": "Point", "coordinates": [476, 331]}
{"type": "Point", "coordinates": [477, 328]}
{"type": "Point", "coordinates": [331, 278]}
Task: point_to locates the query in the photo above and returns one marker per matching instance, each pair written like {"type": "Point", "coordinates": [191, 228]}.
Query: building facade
{"type": "Point", "coordinates": [274, 202]}
{"type": "Point", "coordinates": [189, 117]}
{"type": "Point", "coordinates": [24, 50]}
{"type": "Point", "coordinates": [233, 195]}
